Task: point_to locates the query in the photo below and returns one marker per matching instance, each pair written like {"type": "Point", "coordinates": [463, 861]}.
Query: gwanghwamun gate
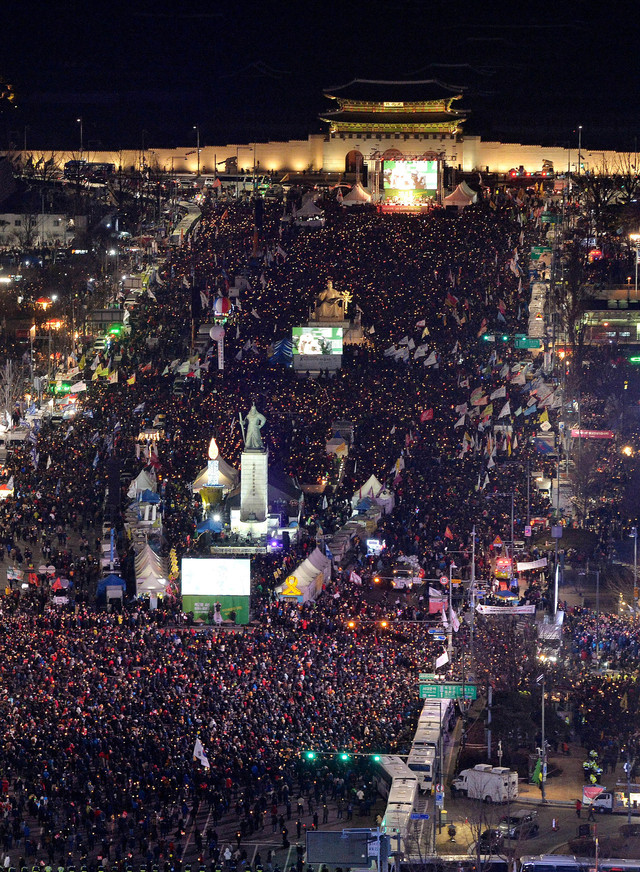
{"type": "Point", "coordinates": [393, 137]}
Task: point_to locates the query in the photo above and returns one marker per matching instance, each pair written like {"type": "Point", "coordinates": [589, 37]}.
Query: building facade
{"type": "Point", "coordinates": [368, 120]}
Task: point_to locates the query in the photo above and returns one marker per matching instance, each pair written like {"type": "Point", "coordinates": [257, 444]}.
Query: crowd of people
{"type": "Point", "coordinates": [101, 711]}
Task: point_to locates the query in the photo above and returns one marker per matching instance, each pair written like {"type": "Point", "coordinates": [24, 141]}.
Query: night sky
{"type": "Point", "coordinates": [531, 72]}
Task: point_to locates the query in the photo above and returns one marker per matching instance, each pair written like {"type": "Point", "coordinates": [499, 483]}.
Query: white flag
{"type": "Point", "coordinates": [444, 618]}
{"type": "Point", "coordinates": [506, 410]}
{"type": "Point", "coordinates": [354, 578]}
{"type": "Point", "coordinates": [431, 360]}
{"type": "Point", "coordinates": [455, 623]}
{"type": "Point", "coordinates": [442, 660]}
{"type": "Point", "coordinates": [198, 754]}
{"type": "Point", "coordinates": [498, 394]}
{"type": "Point", "coordinates": [460, 422]}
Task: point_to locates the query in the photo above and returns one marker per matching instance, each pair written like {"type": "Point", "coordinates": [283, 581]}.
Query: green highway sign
{"type": "Point", "coordinates": [528, 343]}
{"type": "Point", "coordinates": [448, 690]}
{"type": "Point", "coordinates": [427, 676]}
{"type": "Point", "coordinates": [550, 218]}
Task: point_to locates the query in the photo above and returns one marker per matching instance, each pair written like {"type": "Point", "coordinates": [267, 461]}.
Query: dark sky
{"type": "Point", "coordinates": [532, 72]}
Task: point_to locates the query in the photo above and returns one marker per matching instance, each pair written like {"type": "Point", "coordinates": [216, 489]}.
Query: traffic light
{"type": "Point", "coordinates": [376, 758]}
{"type": "Point", "coordinates": [344, 757]}
{"type": "Point", "coordinates": [310, 755]}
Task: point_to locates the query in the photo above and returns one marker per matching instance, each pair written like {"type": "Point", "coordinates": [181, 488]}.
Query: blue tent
{"type": "Point", "coordinates": [148, 496]}
{"type": "Point", "coordinates": [111, 580]}
{"type": "Point", "coordinates": [209, 526]}
{"type": "Point", "coordinates": [282, 352]}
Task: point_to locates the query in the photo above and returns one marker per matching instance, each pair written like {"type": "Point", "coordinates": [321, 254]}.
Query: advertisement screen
{"type": "Point", "coordinates": [317, 340]}
{"type": "Point", "coordinates": [216, 577]}
{"type": "Point", "coordinates": [410, 178]}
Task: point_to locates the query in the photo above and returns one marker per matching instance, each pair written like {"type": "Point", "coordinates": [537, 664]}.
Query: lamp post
{"type": "Point", "coordinates": [196, 127]}
{"type": "Point", "coordinates": [543, 751]}
{"type": "Point", "coordinates": [634, 536]}
{"type": "Point", "coordinates": [635, 239]}
{"type": "Point", "coordinates": [79, 120]}
{"type": "Point", "coordinates": [579, 149]}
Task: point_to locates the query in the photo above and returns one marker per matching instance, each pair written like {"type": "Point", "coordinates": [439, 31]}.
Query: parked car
{"type": "Point", "coordinates": [520, 824]}
{"type": "Point", "coordinates": [490, 842]}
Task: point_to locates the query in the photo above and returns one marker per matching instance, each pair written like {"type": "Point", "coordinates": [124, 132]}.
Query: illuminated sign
{"type": "Point", "coordinates": [314, 341]}
{"type": "Point", "coordinates": [216, 577]}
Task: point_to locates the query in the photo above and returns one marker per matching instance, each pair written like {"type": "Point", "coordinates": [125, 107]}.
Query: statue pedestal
{"type": "Point", "coordinates": [254, 487]}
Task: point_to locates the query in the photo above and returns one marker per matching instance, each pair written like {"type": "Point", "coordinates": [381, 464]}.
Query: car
{"type": "Point", "coordinates": [490, 842]}
{"type": "Point", "coordinates": [405, 576]}
{"type": "Point", "coordinates": [520, 824]}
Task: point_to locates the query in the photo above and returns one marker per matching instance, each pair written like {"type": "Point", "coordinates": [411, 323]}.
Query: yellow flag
{"type": "Point", "coordinates": [544, 417]}
{"type": "Point", "coordinates": [83, 362]}
{"type": "Point", "coordinates": [113, 378]}
{"type": "Point", "coordinates": [94, 377]}
{"type": "Point", "coordinates": [132, 380]}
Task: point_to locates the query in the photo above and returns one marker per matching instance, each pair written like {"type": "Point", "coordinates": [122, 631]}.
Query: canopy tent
{"type": "Point", "coordinates": [371, 488]}
{"type": "Point", "coordinates": [151, 571]}
{"type": "Point", "coordinates": [144, 481]}
{"type": "Point", "coordinates": [461, 197]}
{"type": "Point", "coordinates": [111, 580]}
{"type": "Point", "coordinates": [282, 352]}
{"type": "Point", "coordinates": [228, 477]}
{"type": "Point", "coordinates": [308, 215]}
{"type": "Point", "coordinates": [305, 582]}
{"type": "Point", "coordinates": [357, 196]}
{"type": "Point", "coordinates": [337, 446]}
{"type": "Point", "coordinates": [209, 526]}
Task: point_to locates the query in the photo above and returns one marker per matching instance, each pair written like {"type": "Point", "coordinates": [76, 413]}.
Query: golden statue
{"type": "Point", "coordinates": [331, 304]}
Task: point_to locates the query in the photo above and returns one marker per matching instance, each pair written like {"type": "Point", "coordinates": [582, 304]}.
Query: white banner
{"type": "Point", "coordinates": [505, 610]}
{"type": "Point", "coordinates": [532, 564]}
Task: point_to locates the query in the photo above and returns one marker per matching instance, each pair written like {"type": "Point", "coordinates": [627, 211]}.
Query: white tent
{"type": "Point", "coordinates": [308, 210]}
{"type": "Point", "coordinates": [461, 197]}
{"type": "Point", "coordinates": [151, 571]}
{"type": "Point", "coordinates": [229, 477]}
{"type": "Point", "coordinates": [305, 582]}
{"type": "Point", "coordinates": [144, 481]}
{"type": "Point", "coordinates": [357, 196]}
{"type": "Point", "coordinates": [372, 488]}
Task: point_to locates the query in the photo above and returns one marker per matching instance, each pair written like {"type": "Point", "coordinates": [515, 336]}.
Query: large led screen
{"type": "Point", "coordinates": [402, 178]}
{"type": "Point", "coordinates": [216, 576]}
{"type": "Point", "coordinates": [317, 340]}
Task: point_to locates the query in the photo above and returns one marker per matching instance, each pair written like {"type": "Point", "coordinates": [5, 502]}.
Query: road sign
{"type": "Point", "coordinates": [448, 690]}
{"type": "Point", "coordinates": [527, 530]}
{"type": "Point", "coordinates": [433, 631]}
{"type": "Point", "coordinates": [439, 799]}
{"type": "Point", "coordinates": [439, 638]}
{"type": "Point", "coordinates": [444, 579]}
{"type": "Point", "coordinates": [529, 342]}
{"type": "Point", "coordinates": [419, 817]}
{"type": "Point", "coordinates": [427, 676]}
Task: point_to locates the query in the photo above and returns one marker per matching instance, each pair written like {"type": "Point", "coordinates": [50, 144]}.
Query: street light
{"type": "Point", "coordinates": [635, 239]}
{"type": "Point", "coordinates": [543, 775]}
{"type": "Point", "coordinates": [196, 127]}
{"type": "Point", "coordinates": [79, 120]}
{"type": "Point", "coordinates": [634, 536]}
{"type": "Point", "coordinates": [579, 148]}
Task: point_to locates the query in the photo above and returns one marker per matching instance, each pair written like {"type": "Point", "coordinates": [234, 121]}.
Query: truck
{"type": "Point", "coordinates": [614, 801]}
{"type": "Point", "coordinates": [488, 783]}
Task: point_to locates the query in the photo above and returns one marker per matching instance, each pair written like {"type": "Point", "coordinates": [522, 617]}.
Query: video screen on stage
{"type": "Point", "coordinates": [216, 576]}
{"type": "Point", "coordinates": [413, 178]}
{"type": "Point", "coordinates": [317, 340]}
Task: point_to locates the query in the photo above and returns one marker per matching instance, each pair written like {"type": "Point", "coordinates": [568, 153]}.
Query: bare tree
{"type": "Point", "coordinates": [11, 389]}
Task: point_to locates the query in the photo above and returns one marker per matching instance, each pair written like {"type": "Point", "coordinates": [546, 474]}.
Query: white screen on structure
{"type": "Point", "coordinates": [217, 576]}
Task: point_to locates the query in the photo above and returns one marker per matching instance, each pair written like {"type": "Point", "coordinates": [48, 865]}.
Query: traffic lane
{"type": "Point", "coordinates": [471, 818]}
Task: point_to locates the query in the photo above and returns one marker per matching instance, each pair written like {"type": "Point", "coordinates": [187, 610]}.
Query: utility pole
{"type": "Point", "coordinates": [543, 750]}
{"type": "Point", "coordinates": [597, 620]}
{"type": "Point", "coordinates": [489, 704]}
{"type": "Point", "coordinates": [81, 138]}
{"type": "Point", "coordinates": [473, 595]}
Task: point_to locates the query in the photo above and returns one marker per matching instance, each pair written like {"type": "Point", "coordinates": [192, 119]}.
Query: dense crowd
{"type": "Point", "coordinates": [101, 711]}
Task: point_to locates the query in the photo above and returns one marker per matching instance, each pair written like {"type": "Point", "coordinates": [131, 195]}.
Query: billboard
{"type": "Point", "coordinates": [314, 341]}
{"type": "Point", "coordinates": [216, 580]}
{"type": "Point", "coordinates": [410, 178]}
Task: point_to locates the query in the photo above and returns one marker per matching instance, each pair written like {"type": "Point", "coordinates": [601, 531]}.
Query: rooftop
{"type": "Point", "coordinates": [381, 91]}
